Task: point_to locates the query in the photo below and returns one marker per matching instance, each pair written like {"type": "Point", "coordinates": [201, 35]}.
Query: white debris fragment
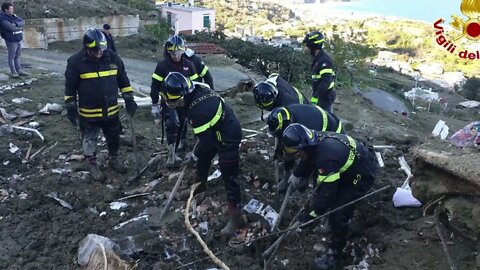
{"type": "Point", "coordinates": [285, 262]}
{"type": "Point", "coordinates": [216, 174]}
{"type": "Point", "coordinates": [51, 107]}
{"type": "Point", "coordinates": [13, 148]}
{"type": "Point", "coordinates": [118, 205]}
{"type": "Point", "coordinates": [61, 171]}
{"type": "Point", "coordinates": [380, 159]}
{"type": "Point", "coordinates": [440, 129]}
{"type": "Point", "coordinates": [3, 195]}
{"type": "Point", "coordinates": [21, 100]}
{"type": "Point", "coordinates": [23, 196]}
{"type": "Point", "coordinates": [54, 195]}
{"type": "Point", "coordinates": [267, 212]}
{"type": "Point", "coordinates": [145, 216]}
{"type": "Point", "coordinates": [263, 152]}
{"type": "Point", "coordinates": [204, 227]}
{"type": "Point", "coordinates": [6, 162]}
{"type": "Point", "coordinates": [34, 124]}
{"type": "Point", "coordinates": [102, 214]}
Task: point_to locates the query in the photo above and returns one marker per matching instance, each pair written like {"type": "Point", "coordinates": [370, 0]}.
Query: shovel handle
{"type": "Point", "coordinates": [172, 194]}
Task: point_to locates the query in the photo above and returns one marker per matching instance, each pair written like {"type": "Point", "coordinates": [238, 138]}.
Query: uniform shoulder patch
{"type": "Point", "coordinates": [321, 171]}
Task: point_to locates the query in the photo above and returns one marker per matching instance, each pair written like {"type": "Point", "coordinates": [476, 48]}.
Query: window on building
{"type": "Point", "coordinates": [169, 19]}
{"type": "Point", "coordinates": [206, 21]}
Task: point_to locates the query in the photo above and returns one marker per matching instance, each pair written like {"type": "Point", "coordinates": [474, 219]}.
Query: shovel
{"type": "Point", "coordinates": [134, 142]}
{"type": "Point", "coordinates": [172, 194]}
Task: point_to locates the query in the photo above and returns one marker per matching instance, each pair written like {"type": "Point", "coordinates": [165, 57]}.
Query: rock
{"type": "Point", "coordinates": [3, 77]}
{"type": "Point", "coordinates": [230, 101]}
{"type": "Point", "coordinates": [247, 98]}
{"type": "Point", "coordinates": [477, 259]}
{"type": "Point", "coordinates": [319, 247]}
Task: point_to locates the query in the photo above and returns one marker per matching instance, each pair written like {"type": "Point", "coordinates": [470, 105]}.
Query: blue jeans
{"type": "Point", "coordinates": [14, 53]}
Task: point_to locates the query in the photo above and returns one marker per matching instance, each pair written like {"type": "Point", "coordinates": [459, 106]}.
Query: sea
{"type": "Point", "coordinates": [422, 10]}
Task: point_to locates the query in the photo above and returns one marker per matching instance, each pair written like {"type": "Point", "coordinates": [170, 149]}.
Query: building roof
{"type": "Point", "coordinates": [186, 8]}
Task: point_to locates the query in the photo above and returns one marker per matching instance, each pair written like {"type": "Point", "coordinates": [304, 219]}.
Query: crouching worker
{"type": "Point", "coordinates": [217, 130]}
{"type": "Point", "coordinates": [93, 78]}
{"type": "Point", "coordinates": [312, 117]}
{"type": "Point", "coordinates": [345, 170]}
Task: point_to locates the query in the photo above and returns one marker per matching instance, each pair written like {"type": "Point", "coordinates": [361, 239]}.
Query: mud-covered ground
{"type": "Point", "coordinates": [38, 233]}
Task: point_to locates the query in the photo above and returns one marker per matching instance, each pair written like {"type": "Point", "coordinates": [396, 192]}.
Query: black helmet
{"type": "Point", "coordinates": [297, 136]}
{"type": "Point", "coordinates": [314, 40]}
{"type": "Point", "coordinates": [94, 39]}
{"type": "Point", "coordinates": [175, 43]}
{"type": "Point", "coordinates": [278, 120]}
{"type": "Point", "coordinates": [176, 86]}
{"type": "Point", "coordinates": [265, 94]}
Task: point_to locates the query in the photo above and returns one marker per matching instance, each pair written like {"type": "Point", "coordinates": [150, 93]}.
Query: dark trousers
{"type": "Point", "coordinates": [228, 160]}
{"type": "Point", "coordinates": [14, 53]}
{"type": "Point", "coordinates": [90, 130]}
{"type": "Point", "coordinates": [325, 101]}
{"type": "Point", "coordinates": [174, 119]}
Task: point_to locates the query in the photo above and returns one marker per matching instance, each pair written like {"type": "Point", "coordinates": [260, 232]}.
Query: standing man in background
{"type": "Point", "coordinates": [323, 73]}
{"type": "Point", "coordinates": [109, 37]}
{"type": "Point", "coordinates": [11, 29]}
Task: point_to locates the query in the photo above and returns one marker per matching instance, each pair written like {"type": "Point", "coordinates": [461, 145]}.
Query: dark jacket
{"type": "Point", "coordinates": [287, 94]}
{"type": "Point", "coordinates": [212, 120]}
{"type": "Point", "coordinates": [201, 69]}
{"type": "Point", "coordinates": [338, 158]}
{"type": "Point", "coordinates": [323, 75]}
{"type": "Point", "coordinates": [11, 27]}
{"type": "Point", "coordinates": [96, 83]}
{"type": "Point", "coordinates": [165, 66]}
{"type": "Point", "coordinates": [314, 117]}
{"type": "Point", "coordinates": [110, 42]}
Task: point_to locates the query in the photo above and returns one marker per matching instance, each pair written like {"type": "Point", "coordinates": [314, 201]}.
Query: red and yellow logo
{"type": "Point", "coordinates": [469, 29]}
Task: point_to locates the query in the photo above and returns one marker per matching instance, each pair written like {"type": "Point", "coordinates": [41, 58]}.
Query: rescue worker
{"type": "Point", "coordinates": [275, 92]}
{"type": "Point", "coordinates": [323, 73]}
{"type": "Point", "coordinates": [202, 70]}
{"type": "Point", "coordinates": [311, 116]}
{"type": "Point", "coordinates": [345, 170]}
{"type": "Point", "coordinates": [173, 61]}
{"type": "Point", "coordinates": [93, 78]}
{"type": "Point", "coordinates": [218, 131]}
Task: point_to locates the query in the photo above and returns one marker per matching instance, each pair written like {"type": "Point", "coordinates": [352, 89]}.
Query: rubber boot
{"type": "Point", "coordinates": [94, 169]}
{"type": "Point", "coordinates": [327, 261]}
{"type": "Point", "coordinates": [182, 145]}
{"type": "Point", "coordinates": [283, 184]}
{"type": "Point", "coordinates": [234, 211]}
{"type": "Point", "coordinates": [116, 165]}
{"type": "Point", "coordinates": [173, 159]}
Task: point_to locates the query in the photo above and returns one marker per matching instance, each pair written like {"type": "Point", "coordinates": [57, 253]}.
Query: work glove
{"type": "Point", "coordinates": [190, 159]}
{"type": "Point", "coordinates": [131, 107]}
{"type": "Point", "coordinates": [72, 112]}
{"type": "Point", "coordinates": [294, 181]}
{"type": "Point", "coordinates": [156, 113]}
{"type": "Point", "coordinates": [298, 183]}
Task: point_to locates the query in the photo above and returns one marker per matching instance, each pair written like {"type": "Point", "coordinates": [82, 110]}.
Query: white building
{"type": "Point", "coordinates": [187, 19]}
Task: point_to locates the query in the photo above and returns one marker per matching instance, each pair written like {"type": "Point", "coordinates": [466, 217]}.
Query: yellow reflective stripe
{"type": "Point", "coordinates": [319, 41]}
{"type": "Point", "coordinates": [106, 73]}
{"type": "Point", "coordinates": [194, 77]}
{"type": "Point", "coordinates": [91, 75]}
{"type": "Point", "coordinates": [280, 118]}
{"type": "Point", "coordinates": [90, 110]}
{"type": "Point", "coordinates": [210, 123]}
{"type": "Point", "coordinates": [290, 150]}
{"type": "Point", "coordinates": [324, 118]}
{"type": "Point", "coordinates": [112, 107]}
{"type": "Point", "coordinates": [325, 71]}
{"type": "Point", "coordinates": [103, 43]}
{"type": "Point", "coordinates": [172, 48]}
{"type": "Point", "coordinates": [113, 112]}
{"type": "Point", "coordinates": [351, 155]}
{"type": "Point", "coordinates": [157, 77]}
{"type": "Point", "coordinates": [314, 100]}
{"type": "Point", "coordinates": [92, 44]}
{"type": "Point", "coordinates": [67, 97]}
{"type": "Point", "coordinates": [91, 115]}
{"type": "Point", "coordinates": [273, 75]}
{"type": "Point", "coordinates": [267, 104]}
{"type": "Point", "coordinates": [313, 36]}
{"type": "Point", "coordinates": [219, 136]}
{"type": "Point", "coordinates": [204, 71]}
{"type": "Point", "coordinates": [126, 89]}
{"type": "Point", "coordinates": [332, 84]}
{"type": "Point", "coordinates": [173, 96]}
{"type": "Point", "coordinates": [340, 126]}
{"type": "Point", "coordinates": [328, 178]}
{"type": "Point", "coordinates": [313, 214]}
{"type": "Point", "coordinates": [300, 96]}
